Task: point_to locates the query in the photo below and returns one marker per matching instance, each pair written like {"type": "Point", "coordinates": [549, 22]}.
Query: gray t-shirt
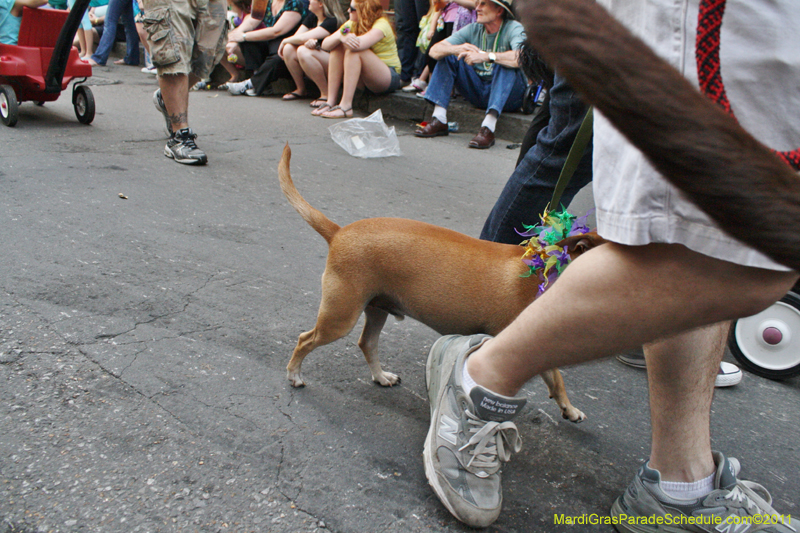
{"type": "Point", "coordinates": [510, 37]}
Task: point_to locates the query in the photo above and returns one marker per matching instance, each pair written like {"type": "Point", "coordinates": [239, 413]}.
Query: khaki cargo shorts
{"type": "Point", "coordinates": [186, 36]}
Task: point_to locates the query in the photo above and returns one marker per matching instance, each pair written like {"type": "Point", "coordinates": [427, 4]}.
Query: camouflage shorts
{"type": "Point", "coordinates": [186, 36]}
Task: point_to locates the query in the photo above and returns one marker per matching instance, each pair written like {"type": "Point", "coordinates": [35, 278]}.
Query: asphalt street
{"type": "Point", "coordinates": [144, 340]}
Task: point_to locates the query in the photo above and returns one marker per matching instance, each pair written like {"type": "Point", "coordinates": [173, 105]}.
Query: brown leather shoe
{"type": "Point", "coordinates": [484, 139]}
{"type": "Point", "coordinates": [434, 128]}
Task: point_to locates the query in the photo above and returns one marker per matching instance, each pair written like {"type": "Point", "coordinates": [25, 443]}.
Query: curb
{"type": "Point", "coordinates": [407, 106]}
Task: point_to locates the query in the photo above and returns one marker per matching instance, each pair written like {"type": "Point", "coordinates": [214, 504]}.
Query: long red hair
{"type": "Point", "coordinates": [368, 12]}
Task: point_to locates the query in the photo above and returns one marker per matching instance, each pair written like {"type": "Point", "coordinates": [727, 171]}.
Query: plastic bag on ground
{"type": "Point", "coordinates": [366, 137]}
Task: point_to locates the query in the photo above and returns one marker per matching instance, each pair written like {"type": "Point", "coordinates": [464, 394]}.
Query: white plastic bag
{"type": "Point", "coordinates": [366, 137]}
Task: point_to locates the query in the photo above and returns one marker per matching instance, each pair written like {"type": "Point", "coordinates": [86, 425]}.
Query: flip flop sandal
{"type": "Point", "coordinates": [321, 109]}
{"type": "Point", "coordinates": [338, 108]}
{"type": "Point", "coordinates": [288, 97]}
{"type": "Point", "coordinates": [318, 102]}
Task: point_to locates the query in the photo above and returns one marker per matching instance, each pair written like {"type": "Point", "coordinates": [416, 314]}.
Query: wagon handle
{"type": "Point", "coordinates": [58, 61]}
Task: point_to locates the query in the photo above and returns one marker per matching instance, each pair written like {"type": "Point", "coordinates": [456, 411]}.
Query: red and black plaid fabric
{"type": "Point", "coordinates": [709, 70]}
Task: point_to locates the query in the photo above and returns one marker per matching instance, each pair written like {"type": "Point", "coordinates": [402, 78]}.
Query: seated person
{"type": "Point", "coordinates": [11, 18]}
{"type": "Point", "coordinates": [257, 49]}
{"type": "Point", "coordinates": [363, 54]}
{"type": "Point", "coordinates": [482, 61]}
{"type": "Point", "coordinates": [304, 48]}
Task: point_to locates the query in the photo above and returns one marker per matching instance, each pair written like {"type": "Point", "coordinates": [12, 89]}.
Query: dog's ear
{"type": "Point", "coordinates": [580, 244]}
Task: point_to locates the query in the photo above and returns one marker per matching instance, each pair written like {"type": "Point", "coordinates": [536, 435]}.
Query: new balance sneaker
{"type": "Point", "coordinates": [734, 506]}
{"type": "Point", "coordinates": [727, 375]}
{"type": "Point", "coordinates": [469, 437]}
{"type": "Point", "coordinates": [182, 148]}
{"type": "Point", "coordinates": [237, 88]}
{"type": "Point", "coordinates": [159, 103]}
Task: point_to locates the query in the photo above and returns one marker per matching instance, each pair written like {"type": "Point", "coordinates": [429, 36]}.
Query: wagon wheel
{"type": "Point", "coordinates": [83, 101]}
{"type": "Point", "coordinates": [768, 344]}
{"type": "Point", "coordinates": [9, 107]}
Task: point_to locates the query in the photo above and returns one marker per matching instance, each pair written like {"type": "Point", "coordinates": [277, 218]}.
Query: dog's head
{"type": "Point", "coordinates": [580, 244]}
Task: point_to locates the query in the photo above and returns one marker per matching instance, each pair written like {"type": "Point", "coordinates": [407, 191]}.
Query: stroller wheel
{"type": "Point", "coordinates": [9, 107]}
{"type": "Point", "coordinates": [768, 344]}
{"type": "Point", "coordinates": [83, 102]}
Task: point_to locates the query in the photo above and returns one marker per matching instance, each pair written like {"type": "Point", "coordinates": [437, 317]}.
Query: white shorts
{"type": "Point", "coordinates": [760, 65]}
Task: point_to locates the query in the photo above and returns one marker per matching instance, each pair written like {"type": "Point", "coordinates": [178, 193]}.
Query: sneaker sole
{"type": "Point", "coordinates": [616, 511]}
{"type": "Point", "coordinates": [728, 380]}
{"type": "Point", "coordinates": [185, 161]}
{"type": "Point", "coordinates": [163, 112]}
{"type": "Point", "coordinates": [430, 439]}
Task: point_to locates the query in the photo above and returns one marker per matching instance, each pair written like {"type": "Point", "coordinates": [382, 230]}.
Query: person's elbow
{"type": "Point", "coordinates": [437, 51]}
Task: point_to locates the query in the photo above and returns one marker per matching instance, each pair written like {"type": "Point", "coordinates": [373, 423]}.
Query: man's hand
{"type": "Point", "coordinates": [444, 49]}
{"type": "Point", "coordinates": [472, 57]}
{"type": "Point", "coordinates": [467, 47]}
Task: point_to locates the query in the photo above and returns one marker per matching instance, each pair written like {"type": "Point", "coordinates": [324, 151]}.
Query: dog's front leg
{"type": "Point", "coordinates": [368, 342]}
{"type": "Point", "coordinates": [555, 383]}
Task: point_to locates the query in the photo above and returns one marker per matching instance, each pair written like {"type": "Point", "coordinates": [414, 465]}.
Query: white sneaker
{"type": "Point", "coordinates": [419, 84]}
{"type": "Point", "coordinates": [410, 87]}
{"type": "Point", "coordinates": [239, 88]}
{"type": "Point", "coordinates": [728, 375]}
{"type": "Point", "coordinates": [150, 70]}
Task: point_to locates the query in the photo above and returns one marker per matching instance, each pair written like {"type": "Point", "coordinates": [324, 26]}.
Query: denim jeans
{"type": "Point", "coordinates": [117, 9]}
{"type": "Point", "coordinates": [502, 92]}
{"type": "Point", "coordinates": [531, 185]}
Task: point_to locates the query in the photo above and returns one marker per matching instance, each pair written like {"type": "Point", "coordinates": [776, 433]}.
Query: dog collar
{"type": "Point", "coordinates": [545, 258]}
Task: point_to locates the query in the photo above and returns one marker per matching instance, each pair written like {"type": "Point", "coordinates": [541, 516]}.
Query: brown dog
{"type": "Point", "coordinates": [451, 282]}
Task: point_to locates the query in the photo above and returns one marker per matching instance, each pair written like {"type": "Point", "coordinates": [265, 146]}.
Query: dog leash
{"type": "Point", "coordinates": [573, 158]}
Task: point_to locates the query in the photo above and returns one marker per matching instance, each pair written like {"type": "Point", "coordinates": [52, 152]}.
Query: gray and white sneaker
{"type": "Point", "coordinates": [182, 148]}
{"type": "Point", "coordinates": [470, 435]}
{"type": "Point", "coordinates": [240, 87]}
{"type": "Point", "coordinates": [159, 103]}
{"type": "Point", "coordinates": [734, 506]}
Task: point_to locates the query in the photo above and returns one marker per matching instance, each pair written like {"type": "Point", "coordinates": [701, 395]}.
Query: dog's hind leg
{"type": "Point", "coordinates": [338, 313]}
{"type": "Point", "coordinates": [368, 342]}
{"type": "Point", "coordinates": [555, 383]}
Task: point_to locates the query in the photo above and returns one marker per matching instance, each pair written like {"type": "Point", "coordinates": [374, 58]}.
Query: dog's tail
{"type": "Point", "coordinates": [322, 224]}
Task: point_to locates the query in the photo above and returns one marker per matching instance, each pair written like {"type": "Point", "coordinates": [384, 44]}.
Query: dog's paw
{"type": "Point", "coordinates": [386, 379]}
{"type": "Point", "coordinates": [572, 414]}
{"type": "Point", "coordinates": [296, 379]}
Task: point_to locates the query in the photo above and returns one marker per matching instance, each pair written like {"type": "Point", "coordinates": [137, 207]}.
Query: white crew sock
{"type": "Point", "coordinates": [490, 121]}
{"type": "Point", "coordinates": [467, 383]}
{"type": "Point", "coordinates": [685, 491]}
{"type": "Point", "coordinates": [440, 114]}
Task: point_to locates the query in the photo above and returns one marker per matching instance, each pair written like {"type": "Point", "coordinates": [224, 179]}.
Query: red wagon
{"type": "Point", "coordinates": [43, 63]}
